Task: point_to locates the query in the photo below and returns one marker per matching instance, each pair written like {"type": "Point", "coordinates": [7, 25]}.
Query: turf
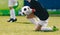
{"type": "Point", "coordinates": [24, 27]}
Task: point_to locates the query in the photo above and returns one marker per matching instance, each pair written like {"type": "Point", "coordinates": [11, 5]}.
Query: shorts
{"type": "Point", "coordinates": [41, 22]}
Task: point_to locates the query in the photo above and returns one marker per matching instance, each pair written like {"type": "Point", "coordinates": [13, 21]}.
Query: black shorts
{"type": "Point", "coordinates": [41, 12]}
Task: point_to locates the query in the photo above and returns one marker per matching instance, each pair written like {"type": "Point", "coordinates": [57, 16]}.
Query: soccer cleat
{"type": "Point", "coordinates": [12, 20]}
{"type": "Point", "coordinates": [55, 29]}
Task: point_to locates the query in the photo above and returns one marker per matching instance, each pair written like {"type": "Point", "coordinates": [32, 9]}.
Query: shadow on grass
{"type": "Point", "coordinates": [24, 22]}
{"type": "Point", "coordinates": [44, 31]}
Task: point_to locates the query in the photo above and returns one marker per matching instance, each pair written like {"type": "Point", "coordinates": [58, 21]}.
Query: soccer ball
{"type": "Point", "coordinates": [26, 10]}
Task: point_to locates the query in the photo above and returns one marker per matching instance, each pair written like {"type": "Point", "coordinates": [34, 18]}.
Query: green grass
{"type": "Point", "coordinates": [24, 27]}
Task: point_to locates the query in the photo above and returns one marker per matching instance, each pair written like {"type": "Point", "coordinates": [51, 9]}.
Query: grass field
{"type": "Point", "coordinates": [24, 27]}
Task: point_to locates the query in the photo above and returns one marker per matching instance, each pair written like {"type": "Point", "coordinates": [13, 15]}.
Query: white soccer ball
{"type": "Point", "coordinates": [26, 10]}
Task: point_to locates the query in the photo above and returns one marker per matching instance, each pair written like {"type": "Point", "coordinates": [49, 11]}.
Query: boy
{"type": "Point", "coordinates": [41, 14]}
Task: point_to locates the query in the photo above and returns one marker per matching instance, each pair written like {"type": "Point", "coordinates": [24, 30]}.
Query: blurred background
{"type": "Point", "coordinates": [4, 9]}
{"type": "Point", "coordinates": [52, 6]}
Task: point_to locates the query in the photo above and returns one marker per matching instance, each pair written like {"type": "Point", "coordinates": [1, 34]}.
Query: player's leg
{"type": "Point", "coordinates": [12, 12]}
{"type": "Point", "coordinates": [38, 26]}
{"type": "Point", "coordinates": [42, 26]}
{"type": "Point", "coordinates": [34, 20]}
{"type": "Point", "coordinates": [38, 23]}
{"type": "Point", "coordinates": [12, 15]}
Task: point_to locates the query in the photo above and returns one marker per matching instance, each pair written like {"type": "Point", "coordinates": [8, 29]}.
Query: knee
{"type": "Point", "coordinates": [38, 27]}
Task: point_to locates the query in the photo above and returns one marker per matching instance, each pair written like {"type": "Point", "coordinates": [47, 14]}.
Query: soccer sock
{"type": "Point", "coordinates": [12, 13]}
{"type": "Point", "coordinates": [46, 29]}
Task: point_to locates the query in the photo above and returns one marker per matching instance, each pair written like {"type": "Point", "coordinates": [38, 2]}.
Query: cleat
{"type": "Point", "coordinates": [12, 20]}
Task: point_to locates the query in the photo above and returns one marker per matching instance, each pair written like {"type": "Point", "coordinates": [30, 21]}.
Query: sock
{"type": "Point", "coordinates": [46, 29]}
{"type": "Point", "coordinates": [12, 13]}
